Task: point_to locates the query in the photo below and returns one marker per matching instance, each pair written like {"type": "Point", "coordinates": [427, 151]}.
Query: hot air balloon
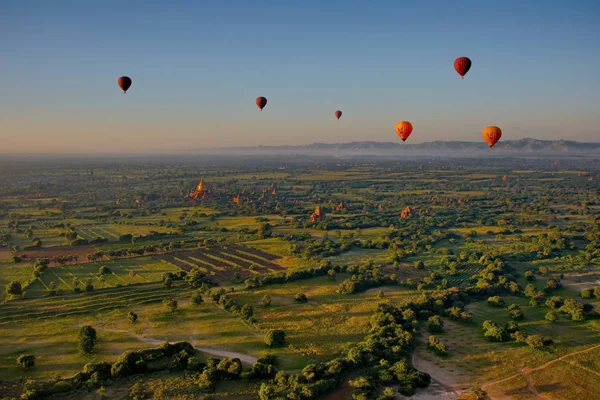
{"type": "Point", "coordinates": [462, 65]}
{"type": "Point", "coordinates": [491, 134]}
{"type": "Point", "coordinates": [125, 83]}
{"type": "Point", "coordinates": [338, 114]}
{"type": "Point", "coordinates": [261, 102]}
{"type": "Point", "coordinates": [404, 129]}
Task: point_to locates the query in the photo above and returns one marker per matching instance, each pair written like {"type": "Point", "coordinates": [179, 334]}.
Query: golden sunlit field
{"type": "Point", "coordinates": [323, 256]}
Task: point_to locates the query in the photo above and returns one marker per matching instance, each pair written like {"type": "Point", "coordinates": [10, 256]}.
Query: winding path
{"type": "Point", "coordinates": [157, 342]}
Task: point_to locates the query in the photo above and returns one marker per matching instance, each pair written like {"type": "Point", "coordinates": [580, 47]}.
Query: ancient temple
{"type": "Point", "coordinates": [505, 178]}
{"type": "Point", "coordinates": [317, 215]}
{"type": "Point", "coordinates": [406, 213]}
{"type": "Point", "coordinates": [200, 189]}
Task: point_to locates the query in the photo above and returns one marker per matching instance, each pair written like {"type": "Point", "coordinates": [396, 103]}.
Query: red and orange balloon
{"type": "Point", "coordinates": [404, 129]}
{"type": "Point", "coordinates": [491, 134]}
{"type": "Point", "coordinates": [261, 102]}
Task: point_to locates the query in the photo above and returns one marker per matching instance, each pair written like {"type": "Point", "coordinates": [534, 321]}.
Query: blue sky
{"type": "Point", "coordinates": [197, 67]}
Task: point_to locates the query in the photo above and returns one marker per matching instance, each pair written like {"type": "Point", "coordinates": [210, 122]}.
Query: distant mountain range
{"type": "Point", "coordinates": [446, 148]}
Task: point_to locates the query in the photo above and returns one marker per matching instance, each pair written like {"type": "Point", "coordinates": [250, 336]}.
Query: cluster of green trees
{"type": "Point", "coordinates": [168, 357]}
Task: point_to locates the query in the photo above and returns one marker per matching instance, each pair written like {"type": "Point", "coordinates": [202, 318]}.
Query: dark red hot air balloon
{"type": "Point", "coordinates": [261, 102]}
{"type": "Point", "coordinates": [124, 83]}
{"type": "Point", "coordinates": [462, 65]}
{"type": "Point", "coordinates": [338, 114]}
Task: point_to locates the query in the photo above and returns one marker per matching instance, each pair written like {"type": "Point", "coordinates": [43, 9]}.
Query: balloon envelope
{"type": "Point", "coordinates": [462, 65]}
{"type": "Point", "coordinates": [404, 129]}
{"type": "Point", "coordinates": [261, 102]}
{"type": "Point", "coordinates": [491, 134]}
{"type": "Point", "coordinates": [124, 83]}
{"type": "Point", "coordinates": [338, 114]}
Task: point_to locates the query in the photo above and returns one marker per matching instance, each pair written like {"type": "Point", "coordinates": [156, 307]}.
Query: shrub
{"type": "Point", "coordinates": [275, 337]}
{"type": "Point", "coordinates": [132, 317]}
{"type": "Point", "coordinates": [266, 300]}
{"type": "Point", "coordinates": [436, 345]}
{"type": "Point", "coordinates": [348, 287]}
{"type": "Point", "coordinates": [180, 360]}
{"type": "Point", "coordinates": [537, 342]}
{"type": "Point", "coordinates": [247, 311]}
{"type": "Point", "coordinates": [551, 316]}
{"type": "Point", "coordinates": [493, 333]}
{"type": "Point", "coordinates": [515, 312]}
{"type": "Point", "coordinates": [61, 387]}
{"type": "Point", "coordinates": [102, 369]}
{"type": "Point", "coordinates": [230, 367]}
{"type": "Point", "coordinates": [197, 299]}
{"type": "Point", "coordinates": [301, 298]}
{"type": "Point", "coordinates": [26, 361]}
{"type": "Point", "coordinates": [435, 324]}
{"type": "Point", "coordinates": [170, 305]}
{"type": "Point", "coordinates": [261, 370]}
{"type": "Point", "coordinates": [496, 301]}
{"type": "Point", "coordinates": [14, 288]}
{"type": "Point", "coordinates": [194, 364]}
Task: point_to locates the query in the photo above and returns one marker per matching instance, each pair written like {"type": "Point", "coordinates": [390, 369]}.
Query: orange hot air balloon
{"type": "Point", "coordinates": [491, 135]}
{"type": "Point", "coordinates": [261, 102]}
{"type": "Point", "coordinates": [124, 83]}
{"type": "Point", "coordinates": [462, 65]}
{"type": "Point", "coordinates": [404, 129]}
{"type": "Point", "coordinates": [338, 114]}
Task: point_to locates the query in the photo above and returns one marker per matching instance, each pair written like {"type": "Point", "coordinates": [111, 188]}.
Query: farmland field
{"type": "Point", "coordinates": [395, 254]}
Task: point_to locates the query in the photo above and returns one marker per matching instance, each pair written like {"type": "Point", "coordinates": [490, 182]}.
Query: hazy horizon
{"type": "Point", "coordinates": [197, 67]}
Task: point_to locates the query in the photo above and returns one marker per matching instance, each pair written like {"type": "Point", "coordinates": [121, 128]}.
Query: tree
{"type": "Point", "coordinates": [266, 300]}
{"type": "Point", "coordinates": [168, 283]}
{"type": "Point", "coordinates": [275, 337]}
{"type": "Point", "coordinates": [419, 265]}
{"type": "Point", "coordinates": [87, 339]}
{"type": "Point", "coordinates": [132, 317]}
{"type": "Point", "coordinates": [494, 333]}
{"type": "Point", "coordinates": [436, 345]}
{"type": "Point", "coordinates": [247, 311]}
{"type": "Point", "coordinates": [331, 274]}
{"type": "Point", "coordinates": [537, 342]}
{"type": "Point", "coordinates": [170, 305]}
{"type": "Point", "coordinates": [552, 284]}
{"type": "Point", "coordinates": [496, 301]}
{"type": "Point", "coordinates": [515, 312]}
{"type": "Point", "coordinates": [104, 270]}
{"type": "Point", "coordinates": [26, 361]}
{"type": "Point", "coordinates": [551, 316]}
{"type": "Point", "coordinates": [435, 324]}
{"type": "Point", "coordinates": [301, 298]}
{"type": "Point", "coordinates": [14, 288]}
{"type": "Point", "coordinates": [197, 299]}
{"type": "Point", "coordinates": [530, 276]}
{"type": "Point", "coordinates": [478, 393]}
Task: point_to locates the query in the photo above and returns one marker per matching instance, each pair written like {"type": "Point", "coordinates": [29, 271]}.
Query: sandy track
{"type": "Point", "coordinates": [157, 342]}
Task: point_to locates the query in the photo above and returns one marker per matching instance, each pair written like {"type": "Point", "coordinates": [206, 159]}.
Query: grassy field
{"type": "Point", "coordinates": [460, 207]}
{"type": "Point", "coordinates": [122, 272]}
